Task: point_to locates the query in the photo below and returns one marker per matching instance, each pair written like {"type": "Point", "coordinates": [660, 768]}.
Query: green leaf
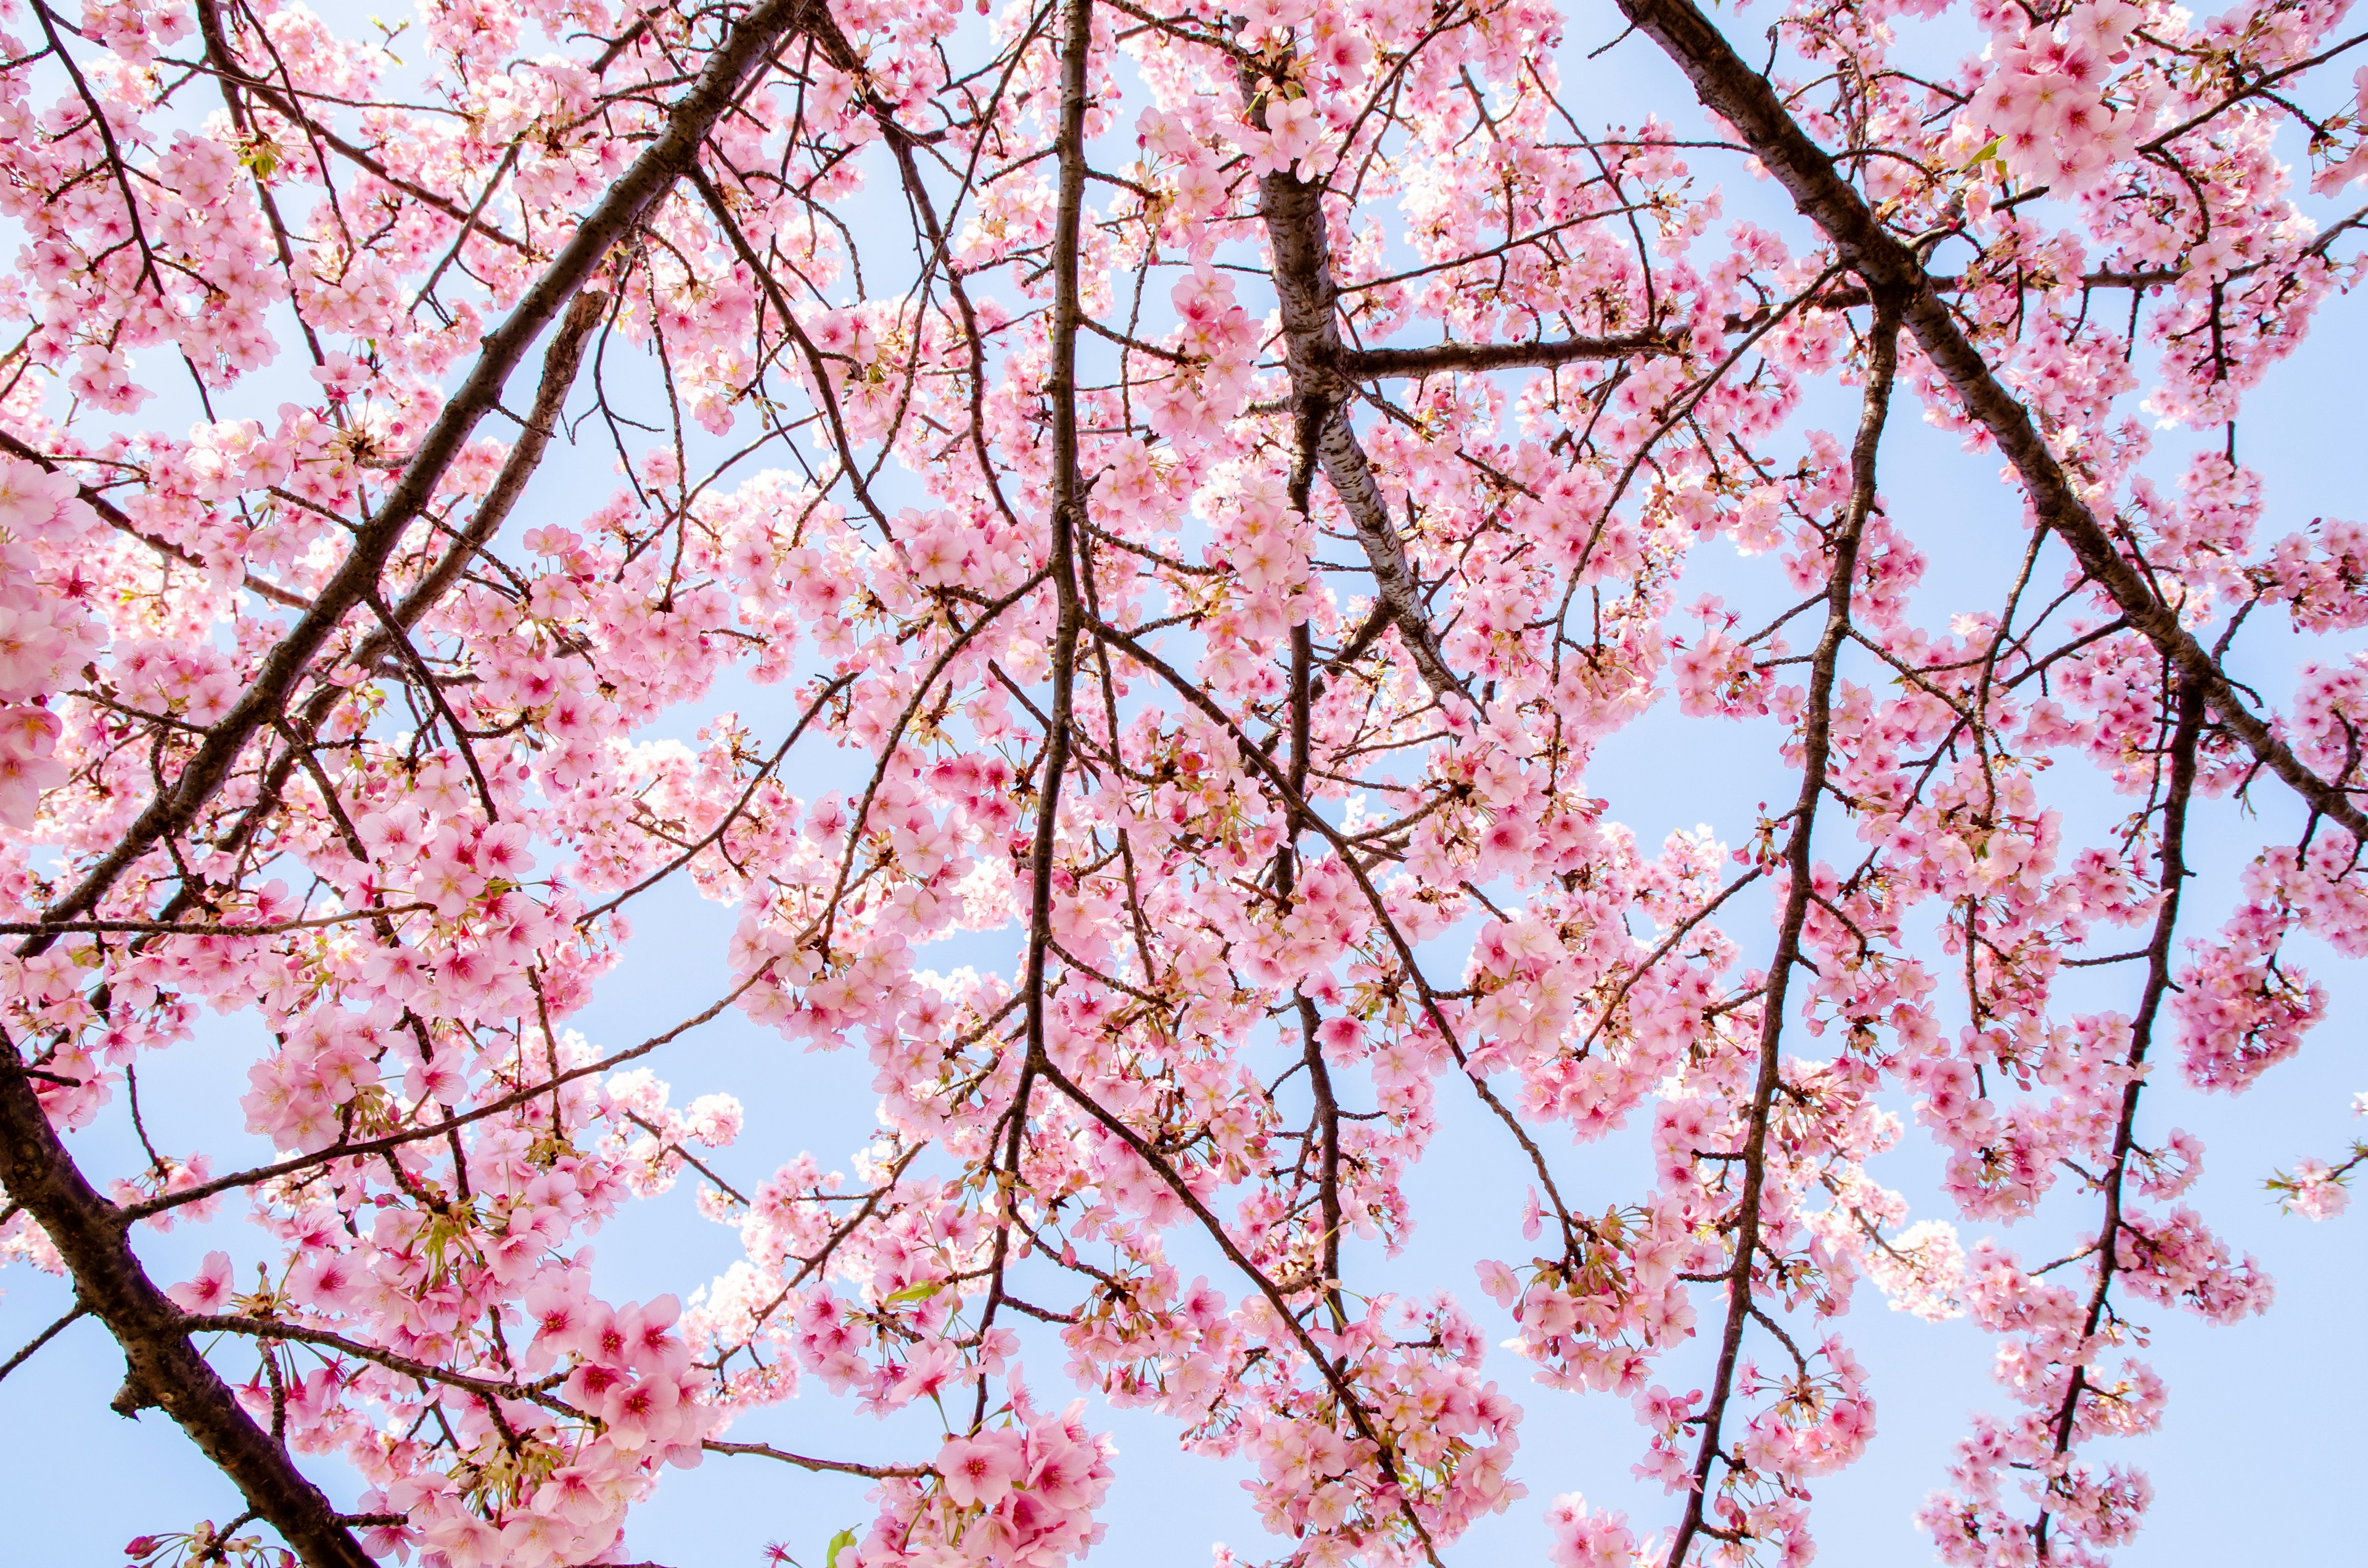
{"type": "Point", "coordinates": [1987, 154]}
{"type": "Point", "coordinates": [838, 1543]}
{"type": "Point", "coordinates": [920, 1292]}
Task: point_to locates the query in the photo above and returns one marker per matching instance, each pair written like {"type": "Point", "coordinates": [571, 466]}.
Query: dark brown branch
{"type": "Point", "coordinates": [1293, 212]}
{"type": "Point", "coordinates": [1068, 511]}
{"type": "Point", "coordinates": [25, 1355]}
{"type": "Point", "coordinates": [361, 158]}
{"type": "Point", "coordinates": [691, 851]}
{"type": "Point", "coordinates": [1310, 1044]}
{"type": "Point", "coordinates": [163, 1367]}
{"type": "Point", "coordinates": [177, 928]}
{"type": "Point", "coordinates": [1332, 1375]}
{"type": "Point", "coordinates": [257, 1173]}
{"type": "Point", "coordinates": [1730, 88]}
{"type": "Point", "coordinates": [112, 516]}
{"type": "Point", "coordinates": [650, 176]}
{"type": "Point", "coordinates": [2184, 741]}
{"type": "Point", "coordinates": [834, 1467]}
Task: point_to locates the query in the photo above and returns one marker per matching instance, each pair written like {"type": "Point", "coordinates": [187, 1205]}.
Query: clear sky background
{"type": "Point", "coordinates": [2262, 1446]}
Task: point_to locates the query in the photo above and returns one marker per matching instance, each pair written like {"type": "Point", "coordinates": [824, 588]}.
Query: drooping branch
{"type": "Point", "coordinates": [1729, 88]}
{"type": "Point", "coordinates": [1478, 358]}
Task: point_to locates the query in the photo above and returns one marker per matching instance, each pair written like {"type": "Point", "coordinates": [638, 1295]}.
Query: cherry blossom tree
{"type": "Point", "coordinates": [1198, 487]}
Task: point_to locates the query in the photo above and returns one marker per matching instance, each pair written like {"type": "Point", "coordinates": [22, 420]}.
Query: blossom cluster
{"type": "Point", "coordinates": [1143, 654]}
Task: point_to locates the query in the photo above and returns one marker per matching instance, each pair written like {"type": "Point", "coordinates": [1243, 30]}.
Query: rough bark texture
{"type": "Point", "coordinates": [161, 1367]}
{"type": "Point", "coordinates": [1293, 211]}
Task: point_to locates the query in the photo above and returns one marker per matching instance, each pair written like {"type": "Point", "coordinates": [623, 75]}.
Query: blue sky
{"type": "Point", "coordinates": [2261, 1444]}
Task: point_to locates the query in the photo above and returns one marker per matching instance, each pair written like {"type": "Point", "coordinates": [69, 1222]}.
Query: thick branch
{"type": "Point", "coordinates": [1293, 211]}
{"type": "Point", "coordinates": [648, 178]}
{"type": "Point", "coordinates": [1730, 88]}
{"type": "Point", "coordinates": [163, 1367]}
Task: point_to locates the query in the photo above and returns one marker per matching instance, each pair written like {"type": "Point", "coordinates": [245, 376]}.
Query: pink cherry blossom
{"type": "Point", "coordinates": [980, 1471]}
{"type": "Point", "coordinates": [1146, 644]}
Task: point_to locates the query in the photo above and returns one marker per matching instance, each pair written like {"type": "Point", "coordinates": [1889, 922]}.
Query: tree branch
{"type": "Point", "coordinates": [35, 1168]}
{"type": "Point", "coordinates": [1730, 88]}
{"type": "Point", "coordinates": [1293, 212]}
{"type": "Point", "coordinates": [1816, 735]}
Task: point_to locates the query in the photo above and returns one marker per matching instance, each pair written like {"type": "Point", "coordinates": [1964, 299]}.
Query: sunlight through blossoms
{"type": "Point", "coordinates": [1110, 535]}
